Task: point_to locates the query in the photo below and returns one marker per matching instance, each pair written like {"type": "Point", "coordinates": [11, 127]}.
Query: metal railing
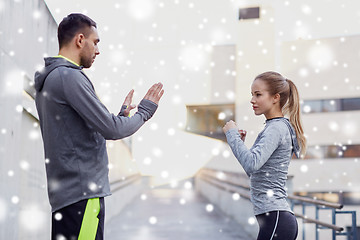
{"type": "Point", "coordinates": [124, 182]}
{"type": "Point", "coordinates": [232, 182]}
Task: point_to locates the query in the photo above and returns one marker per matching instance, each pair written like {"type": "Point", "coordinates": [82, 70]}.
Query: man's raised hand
{"type": "Point", "coordinates": [155, 93]}
{"type": "Point", "coordinates": [127, 103]}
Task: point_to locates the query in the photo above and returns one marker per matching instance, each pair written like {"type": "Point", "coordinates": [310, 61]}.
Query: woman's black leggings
{"type": "Point", "coordinates": [279, 225]}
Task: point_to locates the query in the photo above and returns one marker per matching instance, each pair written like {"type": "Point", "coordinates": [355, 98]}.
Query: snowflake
{"type": "Point", "coordinates": [110, 166]}
{"type": "Point", "coordinates": [92, 186]}
{"type": "Point", "coordinates": [24, 165]}
{"type": "Point", "coordinates": [141, 9]}
{"type": "Point", "coordinates": [143, 197]}
{"type": "Point", "coordinates": [270, 193]}
{"type": "Point", "coordinates": [153, 220]}
{"type": "Point", "coordinates": [209, 208]}
{"type": "Point", "coordinates": [320, 56]}
{"type": "Point", "coordinates": [304, 168]}
{"type": "Point", "coordinates": [58, 216]}
{"type": "Point", "coordinates": [251, 220]}
{"type": "Point", "coordinates": [157, 152]}
{"type": "Point", "coordinates": [19, 108]}
{"type": "Point", "coordinates": [15, 199]}
{"type": "Point", "coordinates": [171, 132]}
{"type": "Point", "coordinates": [188, 185]}
{"type": "Point", "coordinates": [182, 201]}
{"type": "Point", "coordinates": [306, 9]}
{"type": "Point", "coordinates": [54, 184]}
{"type": "Point", "coordinates": [147, 161]}
{"type": "Point", "coordinates": [215, 151]}
{"type": "Point", "coordinates": [60, 237]}
{"type": "Point", "coordinates": [37, 14]}
{"type": "Point", "coordinates": [154, 126]}
{"type": "Point", "coordinates": [174, 183]}
{"type": "Point", "coordinates": [37, 216]}
{"type": "Point", "coordinates": [164, 174]}
{"type": "Point", "coordinates": [221, 116]}
{"type": "Point", "coordinates": [34, 134]}
{"type": "Point", "coordinates": [11, 173]}
{"type": "Point", "coordinates": [235, 196]}
{"type": "Point", "coordinates": [176, 99]}
{"type": "Point", "coordinates": [221, 175]}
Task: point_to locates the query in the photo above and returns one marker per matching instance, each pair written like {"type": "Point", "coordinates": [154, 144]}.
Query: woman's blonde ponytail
{"type": "Point", "coordinates": [292, 109]}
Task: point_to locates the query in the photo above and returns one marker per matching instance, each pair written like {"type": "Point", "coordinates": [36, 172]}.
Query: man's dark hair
{"type": "Point", "coordinates": [72, 25]}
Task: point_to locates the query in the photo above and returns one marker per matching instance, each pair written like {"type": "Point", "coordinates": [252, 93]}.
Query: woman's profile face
{"type": "Point", "coordinates": [261, 101]}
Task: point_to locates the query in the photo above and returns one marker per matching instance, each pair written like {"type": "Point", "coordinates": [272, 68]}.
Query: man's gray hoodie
{"type": "Point", "coordinates": [74, 125]}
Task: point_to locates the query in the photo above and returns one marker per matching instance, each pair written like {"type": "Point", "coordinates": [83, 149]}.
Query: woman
{"type": "Point", "coordinates": [267, 161]}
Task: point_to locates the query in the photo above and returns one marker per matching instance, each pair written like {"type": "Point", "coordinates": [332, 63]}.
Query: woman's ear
{"type": "Point", "coordinates": [276, 98]}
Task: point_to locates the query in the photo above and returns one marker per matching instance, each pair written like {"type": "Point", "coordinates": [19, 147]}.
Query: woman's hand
{"type": "Point", "coordinates": [242, 135]}
{"type": "Point", "coordinates": [229, 125]}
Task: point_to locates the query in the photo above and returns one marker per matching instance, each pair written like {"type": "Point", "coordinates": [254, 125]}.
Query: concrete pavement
{"type": "Point", "coordinates": [163, 214]}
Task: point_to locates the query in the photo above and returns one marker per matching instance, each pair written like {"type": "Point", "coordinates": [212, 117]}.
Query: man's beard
{"type": "Point", "coordinates": [85, 60]}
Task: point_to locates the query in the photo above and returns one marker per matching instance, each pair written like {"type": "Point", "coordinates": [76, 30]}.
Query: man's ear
{"type": "Point", "coordinates": [80, 40]}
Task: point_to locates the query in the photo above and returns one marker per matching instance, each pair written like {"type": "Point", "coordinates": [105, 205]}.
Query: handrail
{"type": "Point", "coordinates": [213, 173]}
{"type": "Point", "coordinates": [316, 202]}
{"type": "Point", "coordinates": [217, 183]}
{"type": "Point", "coordinates": [124, 182]}
{"type": "Point", "coordinates": [209, 176]}
{"type": "Point", "coordinates": [311, 220]}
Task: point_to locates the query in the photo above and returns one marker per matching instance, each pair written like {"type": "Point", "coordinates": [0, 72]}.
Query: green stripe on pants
{"type": "Point", "coordinates": [90, 221]}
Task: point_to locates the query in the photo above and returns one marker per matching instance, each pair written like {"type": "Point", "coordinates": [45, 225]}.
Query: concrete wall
{"type": "Point", "coordinates": [26, 28]}
{"type": "Point", "coordinates": [223, 74]}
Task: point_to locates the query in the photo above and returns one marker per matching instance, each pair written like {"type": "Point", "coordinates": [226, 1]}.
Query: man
{"type": "Point", "coordinates": [74, 125]}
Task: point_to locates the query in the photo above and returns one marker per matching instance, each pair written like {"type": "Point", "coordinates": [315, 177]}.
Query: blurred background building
{"type": "Point", "coordinates": [207, 54]}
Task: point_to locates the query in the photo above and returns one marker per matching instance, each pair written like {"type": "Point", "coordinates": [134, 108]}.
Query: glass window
{"type": "Point", "coordinates": [330, 105]}
{"type": "Point", "coordinates": [208, 120]}
{"type": "Point", "coordinates": [249, 13]}
{"type": "Point", "coordinates": [351, 151]}
{"type": "Point", "coordinates": [332, 151]}
{"type": "Point", "coordinates": [351, 104]}
{"type": "Point", "coordinates": [312, 106]}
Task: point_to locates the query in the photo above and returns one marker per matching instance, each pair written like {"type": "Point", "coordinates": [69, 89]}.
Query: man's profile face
{"type": "Point", "coordinates": [90, 50]}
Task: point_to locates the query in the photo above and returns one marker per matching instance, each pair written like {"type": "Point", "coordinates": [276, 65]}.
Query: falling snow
{"type": "Point", "coordinates": [153, 220]}
{"type": "Point", "coordinates": [186, 65]}
{"type": "Point", "coordinates": [209, 208]}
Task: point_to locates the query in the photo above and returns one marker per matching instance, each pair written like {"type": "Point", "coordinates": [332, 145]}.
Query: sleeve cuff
{"type": "Point", "coordinates": [232, 133]}
{"type": "Point", "coordinates": [148, 106]}
{"type": "Point", "coordinates": [121, 113]}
